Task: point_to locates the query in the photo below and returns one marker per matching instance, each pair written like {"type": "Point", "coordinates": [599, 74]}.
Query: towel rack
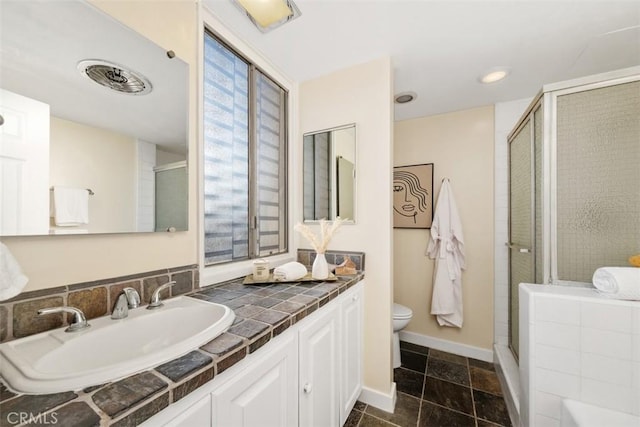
{"type": "Point", "coordinates": [91, 193]}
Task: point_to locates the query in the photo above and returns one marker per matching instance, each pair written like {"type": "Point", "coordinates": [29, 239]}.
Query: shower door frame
{"type": "Point", "coordinates": [527, 118]}
{"type": "Point", "coordinates": [550, 140]}
{"type": "Point", "coordinates": [546, 99]}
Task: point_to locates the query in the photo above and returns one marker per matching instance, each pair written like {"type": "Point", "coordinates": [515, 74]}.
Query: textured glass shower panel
{"type": "Point", "coordinates": [172, 188]}
{"type": "Point", "coordinates": [598, 186]}
{"type": "Point", "coordinates": [520, 226]}
{"type": "Point", "coordinates": [537, 149]}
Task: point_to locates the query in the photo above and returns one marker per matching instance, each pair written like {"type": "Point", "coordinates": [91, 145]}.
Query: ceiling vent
{"type": "Point", "coordinates": [405, 97]}
{"type": "Point", "coordinates": [114, 77]}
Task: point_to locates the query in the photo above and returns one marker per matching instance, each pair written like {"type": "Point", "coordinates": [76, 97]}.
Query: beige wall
{"type": "Point", "coordinates": [51, 261]}
{"type": "Point", "coordinates": [99, 159]}
{"type": "Point", "coordinates": [361, 95]}
{"type": "Point", "coordinates": [460, 145]}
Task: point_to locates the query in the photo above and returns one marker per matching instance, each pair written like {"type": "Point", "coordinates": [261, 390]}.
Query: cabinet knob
{"type": "Point", "coordinates": [354, 298]}
{"type": "Point", "coordinates": [307, 388]}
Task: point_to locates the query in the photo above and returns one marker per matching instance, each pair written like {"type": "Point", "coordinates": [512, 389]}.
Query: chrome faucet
{"type": "Point", "coordinates": [128, 298]}
{"type": "Point", "coordinates": [79, 321]}
{"type": "Point", "coordinates": [155, 297]}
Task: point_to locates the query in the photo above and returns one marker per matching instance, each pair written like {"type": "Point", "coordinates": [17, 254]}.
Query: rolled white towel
{"type": "Point", "coordinates": [289, 272]}
{"type": "Point", "coordinates": [618, 282]}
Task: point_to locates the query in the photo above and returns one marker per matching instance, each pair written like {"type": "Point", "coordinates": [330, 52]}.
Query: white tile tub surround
{"type": "Point", "coordinates": [577, 344]}
{"type": "Point", "coordinates": [579, 414]}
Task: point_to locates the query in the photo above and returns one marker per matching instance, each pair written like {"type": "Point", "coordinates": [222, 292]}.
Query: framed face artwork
{"type": "Point", "coordinates": [413, 196]}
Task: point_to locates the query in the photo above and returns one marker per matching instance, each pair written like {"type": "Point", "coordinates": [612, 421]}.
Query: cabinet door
{"type": "Point", "coordinates": [199, 414]}
{"type": "Point", "coordinates": [319, 369]}
{"type": "Point", "coordinates": [265, 395]}
{"type": "Point", "coordinates": [351, 350]}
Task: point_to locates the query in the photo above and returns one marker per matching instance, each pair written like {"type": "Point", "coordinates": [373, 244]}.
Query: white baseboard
{"type": "Point", "coordinates": [448, 346]}
{"type": "Point", "coordinates": [386, 402]}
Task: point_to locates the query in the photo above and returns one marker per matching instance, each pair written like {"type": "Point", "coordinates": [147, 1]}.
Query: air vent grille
{"type": "Point", "coordinates": [115, 77]}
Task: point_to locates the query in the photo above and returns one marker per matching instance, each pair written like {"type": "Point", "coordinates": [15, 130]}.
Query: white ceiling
{"type": "Point", "coordinates": [440, 48]}
{"type": "Point", "coordinates": [43, 41]}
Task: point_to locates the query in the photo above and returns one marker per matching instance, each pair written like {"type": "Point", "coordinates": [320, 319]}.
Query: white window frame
{"type": "Point", "coordinates": [221, 272]}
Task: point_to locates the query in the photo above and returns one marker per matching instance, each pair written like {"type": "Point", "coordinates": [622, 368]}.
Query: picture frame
{"type": "Point", "coordinates": [413, 196]}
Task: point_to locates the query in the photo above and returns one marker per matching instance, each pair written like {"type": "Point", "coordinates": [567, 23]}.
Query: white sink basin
{"type": "Point", "coordinates": [57, 361]}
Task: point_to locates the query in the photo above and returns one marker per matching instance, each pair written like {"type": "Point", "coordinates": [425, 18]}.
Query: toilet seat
{"type": "Point", "coordinates": [401, 312]}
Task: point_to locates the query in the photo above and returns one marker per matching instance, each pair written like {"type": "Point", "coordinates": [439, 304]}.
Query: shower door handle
{"type": "Point", "coordinates": [521, 249]}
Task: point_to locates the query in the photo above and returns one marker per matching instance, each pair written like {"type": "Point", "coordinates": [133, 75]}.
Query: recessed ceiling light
{"type": "Point", "coordinates": [405, 97]}
{"type": "Point", "coordinates": [494, 75]}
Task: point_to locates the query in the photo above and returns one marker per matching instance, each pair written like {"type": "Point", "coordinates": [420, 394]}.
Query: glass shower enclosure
{"type": "Point", "coordinates": [574, 184]}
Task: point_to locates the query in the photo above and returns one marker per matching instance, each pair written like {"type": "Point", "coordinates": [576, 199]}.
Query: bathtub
{"type": "Point", "coordinates": [579, 414]}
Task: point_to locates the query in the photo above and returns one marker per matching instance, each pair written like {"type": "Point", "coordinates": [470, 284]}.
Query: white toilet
{"type": "Point", "coordinates": [401, 317]}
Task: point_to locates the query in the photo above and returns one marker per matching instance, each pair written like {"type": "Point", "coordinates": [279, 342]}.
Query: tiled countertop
{"type": "Point", "coordinates": [262, 313]}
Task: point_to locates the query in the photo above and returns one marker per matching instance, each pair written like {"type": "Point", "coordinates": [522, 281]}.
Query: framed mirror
{"type": "Point", "coordinates": [329, 173]}
{"type": "Point", "coordinates": [95, 124]}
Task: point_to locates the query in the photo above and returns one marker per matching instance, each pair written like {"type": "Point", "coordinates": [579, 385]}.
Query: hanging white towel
{"type": "Point", "coordinates": [12, 281]}
{"type": "Point", "coordinates": [446, 247]}
{"type": "Point", "coordinates": [70, 206]}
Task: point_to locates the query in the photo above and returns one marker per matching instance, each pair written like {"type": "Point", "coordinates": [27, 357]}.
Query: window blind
{"type": "Point", "coordinates": [244, 158]}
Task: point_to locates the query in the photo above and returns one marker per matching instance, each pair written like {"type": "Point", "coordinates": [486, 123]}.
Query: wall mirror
{"type": "Point", "coordinates": [329, 173]}
{"type": "Point", "coordinates": [122, 141]}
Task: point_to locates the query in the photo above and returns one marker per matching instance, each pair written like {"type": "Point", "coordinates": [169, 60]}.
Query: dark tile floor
{"type": "Point", "coordinates": [438, 389]}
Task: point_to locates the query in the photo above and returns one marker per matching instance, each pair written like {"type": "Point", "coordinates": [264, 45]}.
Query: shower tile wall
{"type": "Point", "coordinates": [576, 344]}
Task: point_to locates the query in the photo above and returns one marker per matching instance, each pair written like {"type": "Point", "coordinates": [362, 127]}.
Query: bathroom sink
{"type": "Point", "coordinates": [57, 361]}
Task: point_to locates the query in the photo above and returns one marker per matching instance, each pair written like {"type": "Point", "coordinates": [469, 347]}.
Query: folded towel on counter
{"type": "Point", "coordinates": [289, 272]}
{"type": "Point", "coordinates": [618, 282]}
{"type": "Point", "coordinates": [70, 206]}
{"type": "Point", "coordinates": [68, 230]}
{"type": "Point", "coordinates": [12, 281]}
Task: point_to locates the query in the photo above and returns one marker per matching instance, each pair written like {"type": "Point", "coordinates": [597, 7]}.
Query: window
{"type": "Point", "coordinates": [245, 154]}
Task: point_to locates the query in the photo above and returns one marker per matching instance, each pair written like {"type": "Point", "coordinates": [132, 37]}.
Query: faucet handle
{"type": "Point", "coordinates": [79, 320]}
{"type": "Point", "coordinates": [155, 297]}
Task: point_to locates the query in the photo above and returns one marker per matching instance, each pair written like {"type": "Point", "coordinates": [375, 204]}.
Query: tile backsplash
{"type": "Point", "coordinates": [18, 315]}
{"type": "Point", "coordinates": [307, 256]}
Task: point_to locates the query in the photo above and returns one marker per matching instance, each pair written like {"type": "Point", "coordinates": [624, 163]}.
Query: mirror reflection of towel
{"type": "Point", "coordinates": [70, 206]}
{"type": "Point", "coordinates": [12, 281]}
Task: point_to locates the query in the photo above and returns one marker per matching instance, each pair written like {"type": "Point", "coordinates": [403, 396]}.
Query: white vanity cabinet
{"type": "Point", "coordinates": [308, 376]}
{"type": "Point", "coordinates": [330, 359]}
{"type": "Point", "coordinates": [319, 374]}
{"type": "Point", "coordinates": [351, 330]}
{"type": "Point", "coordinates": [263, 394]}
{"type": "Point", "coordinates": [198, 414]}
